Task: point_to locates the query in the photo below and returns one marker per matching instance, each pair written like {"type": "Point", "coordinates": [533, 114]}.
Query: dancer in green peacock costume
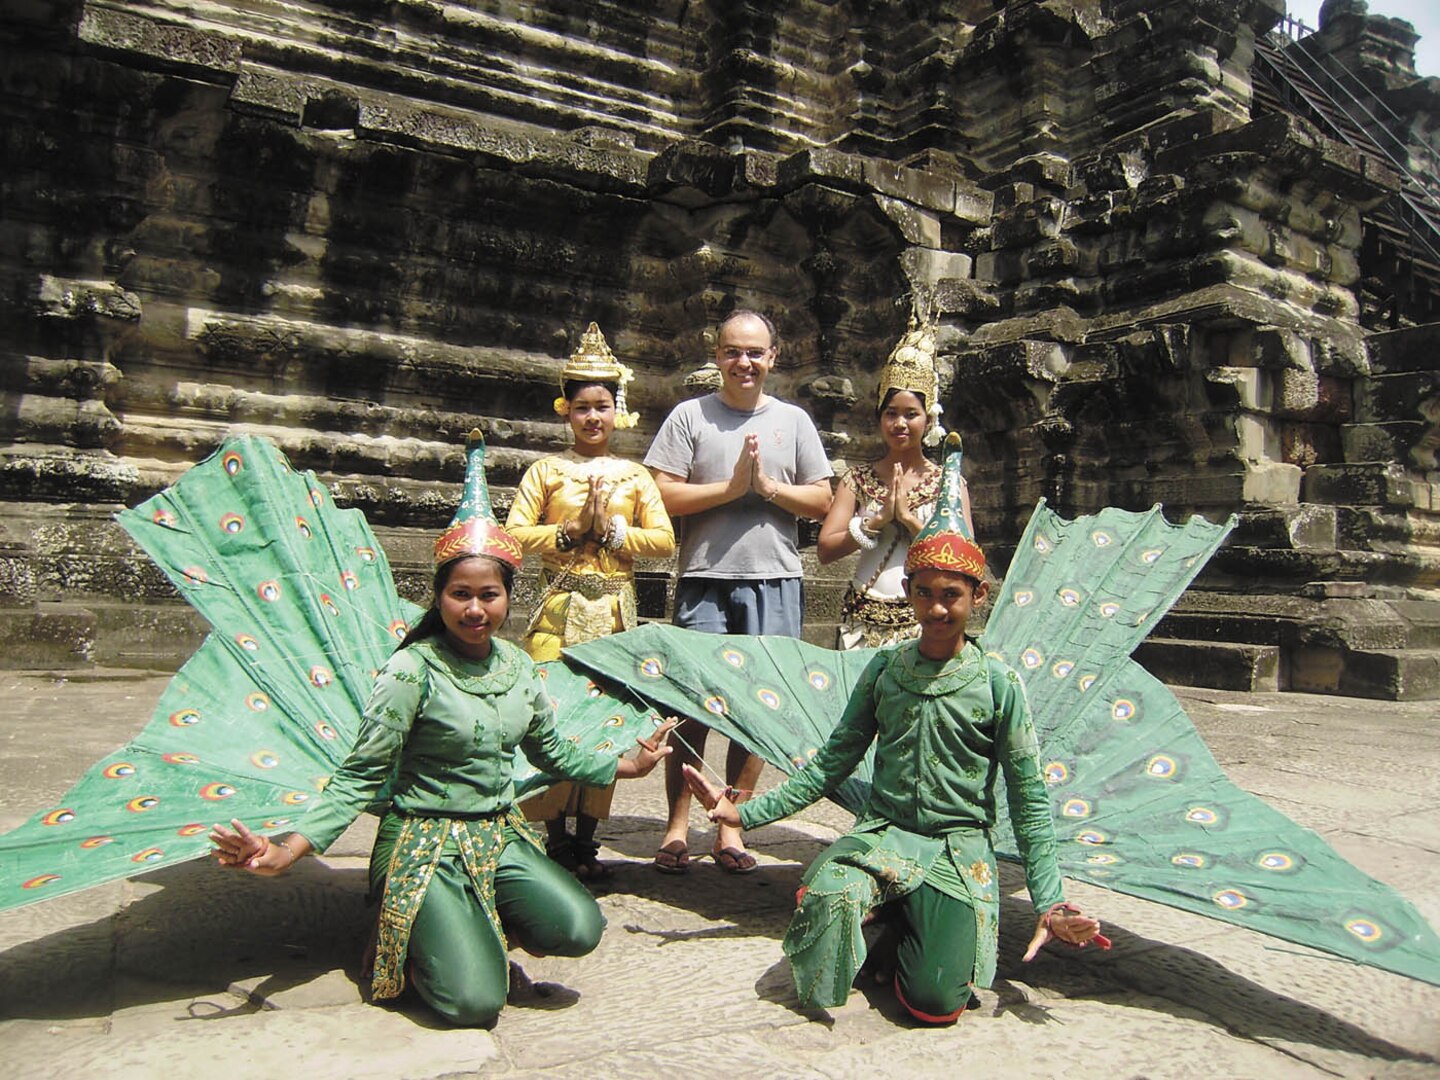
{"type": "Point", "coordinates": [304, 613]}
{"type": "Point", "coordinates": [945, 721]}
{"type": "Point", "coordinates": [456, 868]}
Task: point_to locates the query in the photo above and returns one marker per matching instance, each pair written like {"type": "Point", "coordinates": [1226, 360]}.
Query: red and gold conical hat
{"type": "Point", "coordinates": [945, 542]}
{"type": "Point", "coordinates": [475, 530]}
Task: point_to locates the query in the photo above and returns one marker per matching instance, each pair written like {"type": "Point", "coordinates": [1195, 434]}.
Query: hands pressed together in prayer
{"type": "Point", "coordinates": [749, 474]}
{"type": "Point", "coordinates": [896, 505]}
{"type": "Point", "coordinates": [593, 519]}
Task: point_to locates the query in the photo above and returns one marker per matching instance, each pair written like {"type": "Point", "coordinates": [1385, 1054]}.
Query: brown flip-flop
{"type": "Point", "coordinates": [673, 858]}
{"type": "Point", "coordinates": [734, 861]}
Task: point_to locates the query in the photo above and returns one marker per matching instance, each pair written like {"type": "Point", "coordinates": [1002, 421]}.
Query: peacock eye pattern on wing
{"type": "Point", "coordinates": [304, 612]}
{"type": "Point", "coordinates": [1139, 804]}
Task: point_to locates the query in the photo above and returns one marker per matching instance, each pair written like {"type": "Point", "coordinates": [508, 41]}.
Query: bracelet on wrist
{"type": "Point", "coordinates": [858, 533]}
{"type": "Point", "coordinates": [563, 540]}
{"type": "Point", "coordinates": [615, 535]}
{"type": "Point", "coordinates": [773, 492]}
{"type": "Point", "coordinates": [289, 850]}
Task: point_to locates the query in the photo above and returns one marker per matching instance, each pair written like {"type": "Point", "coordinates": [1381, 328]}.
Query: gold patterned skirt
{"type": "Point", "coordinates": [568, 618]}
{"type": "Point", "coordinates": [868, 622]}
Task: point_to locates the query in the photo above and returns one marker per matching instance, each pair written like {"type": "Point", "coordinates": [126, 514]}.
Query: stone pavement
{"type": "Point", "coordinates": [189, 969]}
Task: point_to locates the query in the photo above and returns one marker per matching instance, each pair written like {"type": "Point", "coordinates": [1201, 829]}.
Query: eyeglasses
{"type": "Point", "coordinates": [749, 354]}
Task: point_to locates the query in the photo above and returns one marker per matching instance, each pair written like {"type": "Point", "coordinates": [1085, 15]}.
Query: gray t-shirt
{"type": "Point", "coordinates": [748, 539]}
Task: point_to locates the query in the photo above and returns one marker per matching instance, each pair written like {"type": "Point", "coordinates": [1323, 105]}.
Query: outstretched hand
{"type": "Point", "coordinates": [652, 751]}
{"type": "Point", "coordinates": [721, 810]}
{"type": "Point", "coordinates": [246, 850]}
{"type": "Point", "coordinates": [1064, 922]}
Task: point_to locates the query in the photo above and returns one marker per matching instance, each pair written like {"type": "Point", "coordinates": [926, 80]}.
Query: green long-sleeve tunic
{"type": "Point", "coordinates": [448, 727]}
{"type": "Point", "coordinates": [943, 732]}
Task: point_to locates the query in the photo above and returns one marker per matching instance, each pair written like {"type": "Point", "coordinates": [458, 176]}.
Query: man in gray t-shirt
{"type": "Point", "coordinates": [736, 468]}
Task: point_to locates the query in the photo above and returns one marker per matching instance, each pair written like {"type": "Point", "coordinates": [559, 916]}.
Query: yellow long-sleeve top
{"type": "Point", "coordinates": [555, 488]}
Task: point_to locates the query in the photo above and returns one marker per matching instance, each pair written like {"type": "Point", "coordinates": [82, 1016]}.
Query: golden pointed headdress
{"type": "Point", "coordinates": [593, 361]}
{"type": "Point", "coordinates": [475, 530]}
{"type": "Point", "coordinates": [911, 366]}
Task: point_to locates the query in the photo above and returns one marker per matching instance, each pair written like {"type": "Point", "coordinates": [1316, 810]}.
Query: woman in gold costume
{"type": "Point", "coordinates": [588, 516]}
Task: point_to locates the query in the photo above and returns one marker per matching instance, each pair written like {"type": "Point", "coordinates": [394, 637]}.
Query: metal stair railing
{"type": "Point", "coordinates": [1414, 206]}
{"type": "Point", "coordinates": [1289, 40]}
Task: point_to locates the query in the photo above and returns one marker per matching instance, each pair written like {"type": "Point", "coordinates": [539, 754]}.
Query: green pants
{"type": "Point", "coordinates": [935, 957]}
{"type": "Point", "coordinates": [457, 960]}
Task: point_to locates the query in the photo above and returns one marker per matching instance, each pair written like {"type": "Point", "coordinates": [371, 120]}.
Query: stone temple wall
{"type": "Point", "coordinates": [362, 229]}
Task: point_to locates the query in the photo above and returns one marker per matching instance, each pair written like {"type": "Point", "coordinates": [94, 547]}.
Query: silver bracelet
{"type": "Point", "coordinates": [859, 535]}
{"type": "Point", "coordinates": [615, 536]}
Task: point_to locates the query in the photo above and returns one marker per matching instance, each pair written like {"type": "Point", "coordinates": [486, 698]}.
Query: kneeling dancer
{"type": "Point", "coordinates": [456, 865]}
{"type": "Point", "coordinates": [946, 719]}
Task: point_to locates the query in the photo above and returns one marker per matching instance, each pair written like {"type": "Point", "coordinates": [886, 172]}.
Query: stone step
{"type": "Point", "coordinates": [1361, 623]}
{"type": "Point", "coordinates": [154, 637]}
{"type": "Point", "coordinates": [1218, 665]}
{"type": "Point", "coordinates": [1384, 674]}
{"type": "Point", "coordinates": [49, 635]}
{"type": "Point", "coordinates": [1422, 622]}
{"type": "Point", "coordinates": [1228, 626]}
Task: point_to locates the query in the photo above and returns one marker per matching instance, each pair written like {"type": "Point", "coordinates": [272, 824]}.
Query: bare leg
{"type": "Point", "coordinates": [689, 743]}
{"type": "Point", "coordinates": [742, 771]}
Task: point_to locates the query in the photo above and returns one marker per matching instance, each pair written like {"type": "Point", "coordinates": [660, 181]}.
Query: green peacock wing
{"type": "Point", "coordinates": [593, 713]}
{"type": "Point", "coordinates": [1142, 807]}
{"type": "Point", "coordinates": [1080, 595]}
{"type": "Point", "coordinates": [1140, 804]}
{"type": "Point", "coordinates": [780, 697]}
{"type": "Point", "coordinates": [302, 589]}
{"type": "Point", "coordinates": [215, 749]}
{"type": "Point", "coordinates": [303, 609]}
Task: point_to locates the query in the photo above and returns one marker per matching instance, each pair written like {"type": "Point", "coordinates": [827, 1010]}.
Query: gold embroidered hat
{"type": "Point", "coordinates": [475, 530]}
{"type": "Point", "coordinates": [945, 542]}
{"type": "Point", "coordinates": [594, 362]}
{"type": "Point", "coordinates": [911, 367]}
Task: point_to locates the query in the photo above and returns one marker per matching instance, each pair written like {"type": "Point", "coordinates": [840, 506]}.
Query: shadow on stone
{"type": "Point", "coordinates": [204, 933]}
{"type": "Point", "coordinates": [1144, 972]}
{"type": "Point", "coordinates": [1171, 979]}
{"type": "Point", "coordinates": [706, 890]}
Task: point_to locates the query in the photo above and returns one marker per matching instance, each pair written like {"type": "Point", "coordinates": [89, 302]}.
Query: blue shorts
{"type": "Point", "coordinates": [723, 606]}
